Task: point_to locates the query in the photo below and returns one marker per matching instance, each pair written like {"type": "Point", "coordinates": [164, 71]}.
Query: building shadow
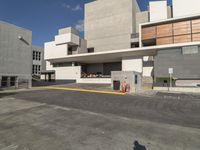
{"type": "Point", "coordinates": [138, 146]}
{"type": "Point", "coordinates": [6, 94]}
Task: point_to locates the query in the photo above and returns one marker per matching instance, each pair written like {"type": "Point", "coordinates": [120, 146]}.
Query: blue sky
{"type": "Point", "coordinates": [45, 17]}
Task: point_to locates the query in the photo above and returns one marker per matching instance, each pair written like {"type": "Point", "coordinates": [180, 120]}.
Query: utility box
{"type": "Point", "coordinates": [132, 79]}
{"type": "Point", "coordinates": [116, 85]}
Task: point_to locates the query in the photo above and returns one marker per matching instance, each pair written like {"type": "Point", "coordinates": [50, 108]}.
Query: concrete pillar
{"type": "Point", "coordinates": [8, 81]}
{"type": "Point", "coordinates": [45, 77]}
{"type": "Point", "coordinates": [29, 83]}
{"type": "Point", "coordinates": [16, 82]}
{"type": "Point", "coordinates": [0, 80]}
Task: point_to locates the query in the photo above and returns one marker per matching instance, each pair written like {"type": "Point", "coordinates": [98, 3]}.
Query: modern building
{"type": "Point", "coordinates": [38, 61]}
{"type": "Point", "coordinates": [119, 37]}
{"type": "Point", "coordinates": [15, 56]}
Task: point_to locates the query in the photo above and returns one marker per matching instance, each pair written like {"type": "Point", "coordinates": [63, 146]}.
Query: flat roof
{"type": "Point", "coordinates": [117, 55]}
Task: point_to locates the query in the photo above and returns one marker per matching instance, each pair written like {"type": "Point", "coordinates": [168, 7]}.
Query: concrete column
{"type": "Point", "coordinates": [8, 82]}
{"type": "Point", "coordinates": [29, 83]}
{"type": "Point", "coordinates": [45, 77]}
{"type": "Point", "coordinates": [17, 82]}
{"type": "Point", "coordinates": [0, 80]}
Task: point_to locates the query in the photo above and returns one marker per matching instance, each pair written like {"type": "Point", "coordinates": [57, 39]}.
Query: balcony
{"type": "Point", "coordinates": [69, 38]}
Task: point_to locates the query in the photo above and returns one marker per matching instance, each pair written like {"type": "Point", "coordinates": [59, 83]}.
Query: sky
{"type": "Point", "coordinates": [45, 17]}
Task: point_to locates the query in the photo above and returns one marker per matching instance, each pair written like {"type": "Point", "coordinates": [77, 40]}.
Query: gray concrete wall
{"type": "Point", "coordinates": [169, 12]}
{"type": "Point", "coordinates": [186, 66]}
{"type": "Point", "coordinates": [109, 24]}
{"type": "Point", "coordinates": [42, 63]}
{"type": "Point", "coordinates": [141, 17]}
{"type": "Point", "coordinates": [15, 51]}
{"type": "Point", "coordinates": [68, 30]}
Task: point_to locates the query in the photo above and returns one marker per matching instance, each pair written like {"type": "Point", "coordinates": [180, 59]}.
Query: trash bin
{"type": "Point", "coordinates": [116, 85]}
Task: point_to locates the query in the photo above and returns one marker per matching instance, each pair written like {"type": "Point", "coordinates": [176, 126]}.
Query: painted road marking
{"type": "Point", "coordinates": [80, 90]}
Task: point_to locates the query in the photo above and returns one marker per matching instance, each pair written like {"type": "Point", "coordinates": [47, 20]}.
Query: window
{"type": "Point", "coordinates": [39, 56]}
{"type": "Point", "coordinates": [33, 55]}
{"type": "Point", "coordinates": [36, 69]}
{"type": "Point", "coordinates": [33, 69]}
{"type": "Point", "coordinates": [69, 50]}
{"type": "Point", "coordinates": [36, 56]}
{"type": "Point", "coordinates": [134, 45]}
{"type": "Point", "coordinates": [39, 68]}
{"type": "Point", "coordinates": [136, 79]}
{"type": "Point", "coordinates": [91, 50]}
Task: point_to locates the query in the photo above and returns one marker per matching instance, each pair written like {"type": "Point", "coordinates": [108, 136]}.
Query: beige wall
{"type": "Point", "coordinates": [185, 7]}
{"type": "Point", "coordinates": [158, 10]}
{"type": "Point", "coordinates": [109, 24]}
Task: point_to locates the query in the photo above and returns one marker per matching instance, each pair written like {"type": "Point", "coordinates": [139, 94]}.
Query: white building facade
{"type": "Point", "coordinates": [119, 37]}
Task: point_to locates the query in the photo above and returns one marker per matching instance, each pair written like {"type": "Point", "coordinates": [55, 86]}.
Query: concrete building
{"type": "Point", "coordinates": [15, 56]}
{"type": "Point", "coordinates": [39, 64]}
{"type": "Point", "coordinates": [121, 38]}
{"type": "Point", "coordinates": [109, 22]}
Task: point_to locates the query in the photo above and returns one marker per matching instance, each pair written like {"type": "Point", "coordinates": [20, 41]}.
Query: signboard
{"type": "Point", "coordinates": [170, 70]}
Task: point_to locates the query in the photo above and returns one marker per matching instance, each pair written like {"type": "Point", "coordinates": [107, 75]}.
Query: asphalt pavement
{"type": "Point", "coordinates": [73, 120]}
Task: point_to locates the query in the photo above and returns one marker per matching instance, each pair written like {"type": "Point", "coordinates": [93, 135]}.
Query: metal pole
{"type": "Point", "coordinates": [170, 80]}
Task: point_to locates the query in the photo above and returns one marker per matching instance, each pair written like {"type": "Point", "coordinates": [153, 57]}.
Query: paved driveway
{"type": "Point", "coordinates": [69, 120]}
{"type": "Point", "coordinates": [170, 111]}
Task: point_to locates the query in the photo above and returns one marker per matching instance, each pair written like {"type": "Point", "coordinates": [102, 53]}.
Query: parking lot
{"type": "Point", "coordinates": [60, 119]}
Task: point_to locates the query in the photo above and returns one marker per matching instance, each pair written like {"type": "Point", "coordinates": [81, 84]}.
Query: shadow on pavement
{"type": "Point", "coordinates": [50, 83]}
{"type": "Point", "coordinates": [138, 146]}
{"type": "Point", "coordinates": [6, 94]}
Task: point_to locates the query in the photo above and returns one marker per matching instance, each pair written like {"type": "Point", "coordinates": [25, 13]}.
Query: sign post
{"type": "Point", "coordinates": [170, 71]}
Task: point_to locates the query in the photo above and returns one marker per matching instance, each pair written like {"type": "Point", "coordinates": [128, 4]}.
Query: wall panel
{"type": "Point", "coordinates": [163, 41]}
{"type": "Point", "coordinates": [182, 38]}
{"type": "Point", "coordinates": [196, 37]}
{"type": "Point", "coordinates": [164, 30]}
{"type": "Point", "coordinates": [172, 32]}
{"type": "Point", "coordinates": [196, 26]}
{"type": "Point", "coordinates": [148, 33]}
{"type": "Point", "coordinates": [181, 28]}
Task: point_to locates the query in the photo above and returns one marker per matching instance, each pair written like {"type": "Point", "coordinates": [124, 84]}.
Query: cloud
{"type": "Point", "coordinates": [66, 6]}
{"type": "Point", "coordinates": [75, 8]}
{"type": "Point", "coordinates": [80, 26]}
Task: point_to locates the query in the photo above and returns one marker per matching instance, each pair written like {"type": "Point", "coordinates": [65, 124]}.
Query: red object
{"type": "Point", "coordinates": [124, 87]}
